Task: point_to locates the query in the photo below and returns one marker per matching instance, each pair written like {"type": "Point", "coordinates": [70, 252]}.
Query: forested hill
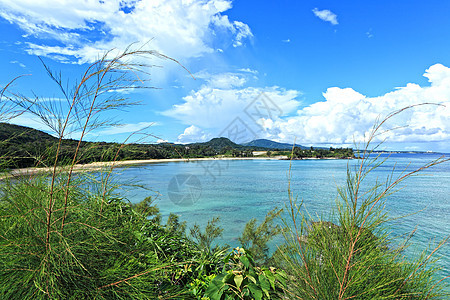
{"type": "Point", "coordinates": [272, 145]}
{"type": "Point", "coordinates": [26, 147]}
{"type": "Point", "coordinates": [224, 143]}
{"type": "Point", "coordinates": [22, 147]}
{"type": "Point", "coordinates": [219, 144]}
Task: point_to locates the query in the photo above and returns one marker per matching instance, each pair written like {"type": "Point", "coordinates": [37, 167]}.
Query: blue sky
{"type": "Point", "coordinates": [318, 72]}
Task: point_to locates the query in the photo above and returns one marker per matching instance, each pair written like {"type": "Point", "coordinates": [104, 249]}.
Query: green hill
{"type": "Point", "coordinates": [263, 143]}
{"type": "Point", "coordinates": [219, 144]}
{"type": "Point", "coordinates": [22, 147]}
{"type": "Point", "coordinates": [21, 134]}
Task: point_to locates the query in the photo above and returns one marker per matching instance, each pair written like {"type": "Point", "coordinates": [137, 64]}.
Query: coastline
{"type": "Point", "coordinates": [96, 166]}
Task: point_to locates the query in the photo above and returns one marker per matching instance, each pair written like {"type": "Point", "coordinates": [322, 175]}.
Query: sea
{"type": "Point", "coordinates": [238, 190]}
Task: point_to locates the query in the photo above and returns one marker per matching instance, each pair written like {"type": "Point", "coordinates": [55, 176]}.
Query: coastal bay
{"type": "Point", "coordinates": [238, 190]}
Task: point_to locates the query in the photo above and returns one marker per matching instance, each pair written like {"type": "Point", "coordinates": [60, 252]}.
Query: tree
{"type": "Point", "coordinates": [255, 237]}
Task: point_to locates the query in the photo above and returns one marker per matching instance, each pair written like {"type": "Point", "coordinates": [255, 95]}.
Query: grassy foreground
{"type": "Point", "coordinates": [70, 236]}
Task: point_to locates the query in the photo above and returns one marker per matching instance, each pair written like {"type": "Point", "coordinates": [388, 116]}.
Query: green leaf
{"type": "Point", "coordinates": [215, 290]}
{"type": "Point", "coordinates": [281, 278]}
{"type": "Point", "coordinates": [244, 259]}
{"type": "Point", "coordinates": [271, 277]}
{"type": "Point", "coordinates": [256, 292]}
{"type": "Point", "coordinates": [238, 280]}
{"type": "Point", "coordinates": [264, 282]}
{"type": "Point", "coordinates": [251, 278]}
{"type": "Point", "coordinates": [228, 278]}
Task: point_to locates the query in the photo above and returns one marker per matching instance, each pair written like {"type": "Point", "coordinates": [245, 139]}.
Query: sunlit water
{"type": "Point", "coordinates": [238, 190]}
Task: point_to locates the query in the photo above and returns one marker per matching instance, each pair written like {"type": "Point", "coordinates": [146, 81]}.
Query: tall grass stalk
{"type": "Point", "coordinates": [353, 255]}
{"type": "Point", "coordinates": [69, 237]}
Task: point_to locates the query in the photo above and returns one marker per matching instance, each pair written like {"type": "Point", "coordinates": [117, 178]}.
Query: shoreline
{"type": "Point", "coordinates": [95, 166]}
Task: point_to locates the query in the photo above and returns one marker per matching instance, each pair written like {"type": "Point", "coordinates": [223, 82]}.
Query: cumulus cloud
{"type": "Point", "coordinates": [240, 30]}
{"type": "Point", "coordinates": [193, 134]}
{"type": "Point", "coordinates": [346, 116]}
{"type": "Point", "coordinates": [326, 15]}
{"type": "Point", "coordinates": [215, 106]}
{"type": "Point", "coordinates": [82, 30]}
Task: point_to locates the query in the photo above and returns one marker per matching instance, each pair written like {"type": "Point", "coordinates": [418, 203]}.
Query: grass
{"type": "Point", "coordinates": [67, 236]}
{"type": "Point", "coordinates": [354, 258]}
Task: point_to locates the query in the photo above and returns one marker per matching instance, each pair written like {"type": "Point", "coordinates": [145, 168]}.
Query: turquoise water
{"type": "Point", "coordinates": [238, 190]}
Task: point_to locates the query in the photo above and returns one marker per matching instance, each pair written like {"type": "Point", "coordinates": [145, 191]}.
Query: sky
{"type": "Point", "coordinates": [318, 73]}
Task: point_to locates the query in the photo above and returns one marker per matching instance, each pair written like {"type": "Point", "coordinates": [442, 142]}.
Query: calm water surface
{"type": "Point", "coordinates": [238, 190]}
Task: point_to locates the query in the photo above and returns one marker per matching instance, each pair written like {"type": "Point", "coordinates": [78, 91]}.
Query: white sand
{"type": "Point", "coordinates": [100, 165]}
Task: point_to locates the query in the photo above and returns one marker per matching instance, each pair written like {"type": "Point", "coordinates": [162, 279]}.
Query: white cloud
{"type": "Point", "coordinates": [286, 41]}
{"type": "Point", "coordinates": [239, 30]}
{"type": "Point", "coordinates": [193, 134]}
{"type": "Point", "coordinates": [346, 116]}
{"type": "Point", "coordinates": [326, 15]}
{"type": "Point", "coordinates": [222, 80]}
{"type": "Point", "coordinates": [215, 107]}
{"type": "Point", "coordinates": [248, 70]}
{"type": "Point", "coordinates": [18, 63]}
{"type": "Point", "coordinates": [125, 91]}
{"type": "Point", "coordinates": [83, 30]}
{"type": "Point", "coordinates": [242, 32]}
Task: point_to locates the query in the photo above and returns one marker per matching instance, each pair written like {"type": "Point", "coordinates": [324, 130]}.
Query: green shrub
{"type": "Point", "coordinates": [105, 249]}
{"type": "Point", "coordinates": [355, 257]}
{"type": "Point", "coordinates": [243, 279]}
{"type": "Point", "coordinates": [68, 236]}
{"type": "Point", "coordinates": [255, 238]}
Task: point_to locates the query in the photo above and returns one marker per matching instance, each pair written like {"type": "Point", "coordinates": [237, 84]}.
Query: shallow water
{"type": "Point", "coordinates": [238, 190]}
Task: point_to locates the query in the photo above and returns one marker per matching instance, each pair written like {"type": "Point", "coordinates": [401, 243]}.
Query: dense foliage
{"type": "Point", "coordinates": [272, 145]}
{"type": "Point", "coordinates": [299, 153]}
{"type": "Point", "coordinates": [26, 147]}
{"type": "Point", "coordinates": [105, 248]}
{"type": "Point", "coordinates": [243, 279]}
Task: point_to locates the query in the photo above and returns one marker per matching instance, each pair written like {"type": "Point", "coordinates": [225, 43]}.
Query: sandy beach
{"type": "Point", "coordinates": [117, 164]}
{"type": "Point", "coordinates": [95, 166]}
